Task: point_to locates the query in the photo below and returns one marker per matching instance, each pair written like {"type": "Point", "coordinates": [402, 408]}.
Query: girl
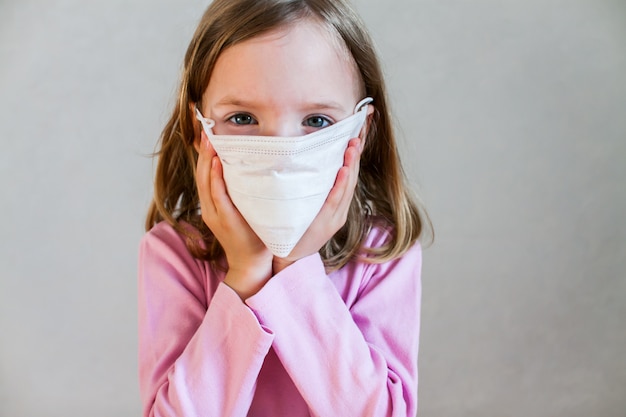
{"type": "Point", "coordinates": [226, 326]}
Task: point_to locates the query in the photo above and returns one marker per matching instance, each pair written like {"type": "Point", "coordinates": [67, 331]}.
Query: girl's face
{"type": "Point", "coordinates": [289, 82]}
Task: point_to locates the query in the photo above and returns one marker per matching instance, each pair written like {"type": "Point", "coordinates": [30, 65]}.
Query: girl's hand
{"type": "Point", "coordinates": [249, 261]}
{"type": "Point", "coordinates": [334, 212]}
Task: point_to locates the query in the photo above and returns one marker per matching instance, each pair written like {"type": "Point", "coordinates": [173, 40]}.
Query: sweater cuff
{"type": "Point", "coordinates": [297, 280]}
{"type": "Point", "coordinates": [238, 315]}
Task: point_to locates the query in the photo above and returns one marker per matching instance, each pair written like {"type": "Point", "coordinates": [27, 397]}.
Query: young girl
{"type": "Point", "coordinates": [324, 326]}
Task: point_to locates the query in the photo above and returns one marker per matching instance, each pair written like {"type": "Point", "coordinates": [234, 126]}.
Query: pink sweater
{"type": "Point", "coordinates": [307, 344]}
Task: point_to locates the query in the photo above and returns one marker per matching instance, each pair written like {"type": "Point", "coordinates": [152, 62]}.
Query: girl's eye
{"type": "Point", "coordinates": [242, 119]}
{"type": "Point", "coordinates": [317, 122]}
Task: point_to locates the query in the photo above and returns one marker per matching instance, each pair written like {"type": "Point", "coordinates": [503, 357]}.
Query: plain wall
{"type": "Point", "coordinates": [512, 117]}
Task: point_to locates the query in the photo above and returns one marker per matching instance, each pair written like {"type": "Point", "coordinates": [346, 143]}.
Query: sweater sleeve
{"type": "Point", "coordinates": [348, 360]}
{"type": "Point", "coordinates": [196, 357]}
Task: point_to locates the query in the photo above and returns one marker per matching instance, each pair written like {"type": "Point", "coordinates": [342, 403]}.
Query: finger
{"type": "Point", "coordinates": [207, 146]}
{"type": "Point", "coordinates": [352, 157]}
{"type": "Point", "coordinates": [203, 172]}
{"type": "Point", "coordinates": [219, 193]}
{"type": "Point", "coordinates": [353, 153]}
{"type": "Point", "coordinates": [344, 181]}
{"type": "Point", "coordinates": [357, 143]}
{"type": "Point", "coordinates": [203, 175]}
{"type": "Point", "coordinates": [347, 181]}
{"type": "Point", "coordinates": [338, 191]}
{"type": "Point", "coordinates": [205, 154]}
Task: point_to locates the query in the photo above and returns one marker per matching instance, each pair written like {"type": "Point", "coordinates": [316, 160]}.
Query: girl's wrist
{"type": "Point", "coordinates": [247, 282]}
{"type": "Point", "coordinates": [278, 264]}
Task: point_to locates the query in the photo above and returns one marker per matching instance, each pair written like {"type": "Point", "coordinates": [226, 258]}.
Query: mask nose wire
{"type": "Point", "coordinates": [361, 104]}
{"type": "Point", "coordinates": [207, 123]}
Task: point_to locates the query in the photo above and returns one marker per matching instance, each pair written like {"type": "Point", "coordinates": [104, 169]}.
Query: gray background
{"type": "Point", "coordinates": [513, 123]}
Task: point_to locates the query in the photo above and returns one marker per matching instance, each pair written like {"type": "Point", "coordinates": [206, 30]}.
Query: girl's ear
{"type": "Point", "coordinates": [368, 120]}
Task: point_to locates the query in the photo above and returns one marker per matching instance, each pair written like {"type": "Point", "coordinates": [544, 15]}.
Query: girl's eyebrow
{"type": "Point", "coordinates": [234, 101]}
{"type": "Point", "coordinates": [312, 106]}
{"type": "Point", "coordinates": [323, 105]}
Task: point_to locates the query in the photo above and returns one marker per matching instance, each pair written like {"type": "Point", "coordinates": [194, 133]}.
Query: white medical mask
{"type": "Point", "coordinates": [279, 184]}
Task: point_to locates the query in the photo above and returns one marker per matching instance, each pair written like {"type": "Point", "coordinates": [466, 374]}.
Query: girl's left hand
{"type": "Point", "coordinates": [249, 261]}
{"type": "Point", "coordinates": [334, 212]}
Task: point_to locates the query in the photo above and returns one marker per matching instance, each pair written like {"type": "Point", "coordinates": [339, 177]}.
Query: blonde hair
{"type": "Point", "coordinates": [381, 194]}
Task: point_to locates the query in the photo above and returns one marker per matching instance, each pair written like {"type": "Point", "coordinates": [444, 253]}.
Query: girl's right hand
{"type": "Point", "coordinates": [249, 260]}
{"type": "Point", "coordinates": [333, 214]}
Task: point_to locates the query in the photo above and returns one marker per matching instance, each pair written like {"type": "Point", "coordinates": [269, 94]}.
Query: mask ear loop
{"type": "Point", "coordinates": [206, 123]}
{"type": "Point", "coordinates": [363, 103]}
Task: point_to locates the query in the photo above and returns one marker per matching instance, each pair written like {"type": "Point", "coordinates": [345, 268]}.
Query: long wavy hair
{"type": "Point", "coordinates": [381, 194]}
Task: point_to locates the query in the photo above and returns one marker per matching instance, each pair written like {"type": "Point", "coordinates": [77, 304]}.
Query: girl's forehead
{"type": "Point", "coordinates": [295, 58]}
{"type": "Point", "coordinates": [308, 27]}
{"type": "Point", "coordinates": [313, 35]}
